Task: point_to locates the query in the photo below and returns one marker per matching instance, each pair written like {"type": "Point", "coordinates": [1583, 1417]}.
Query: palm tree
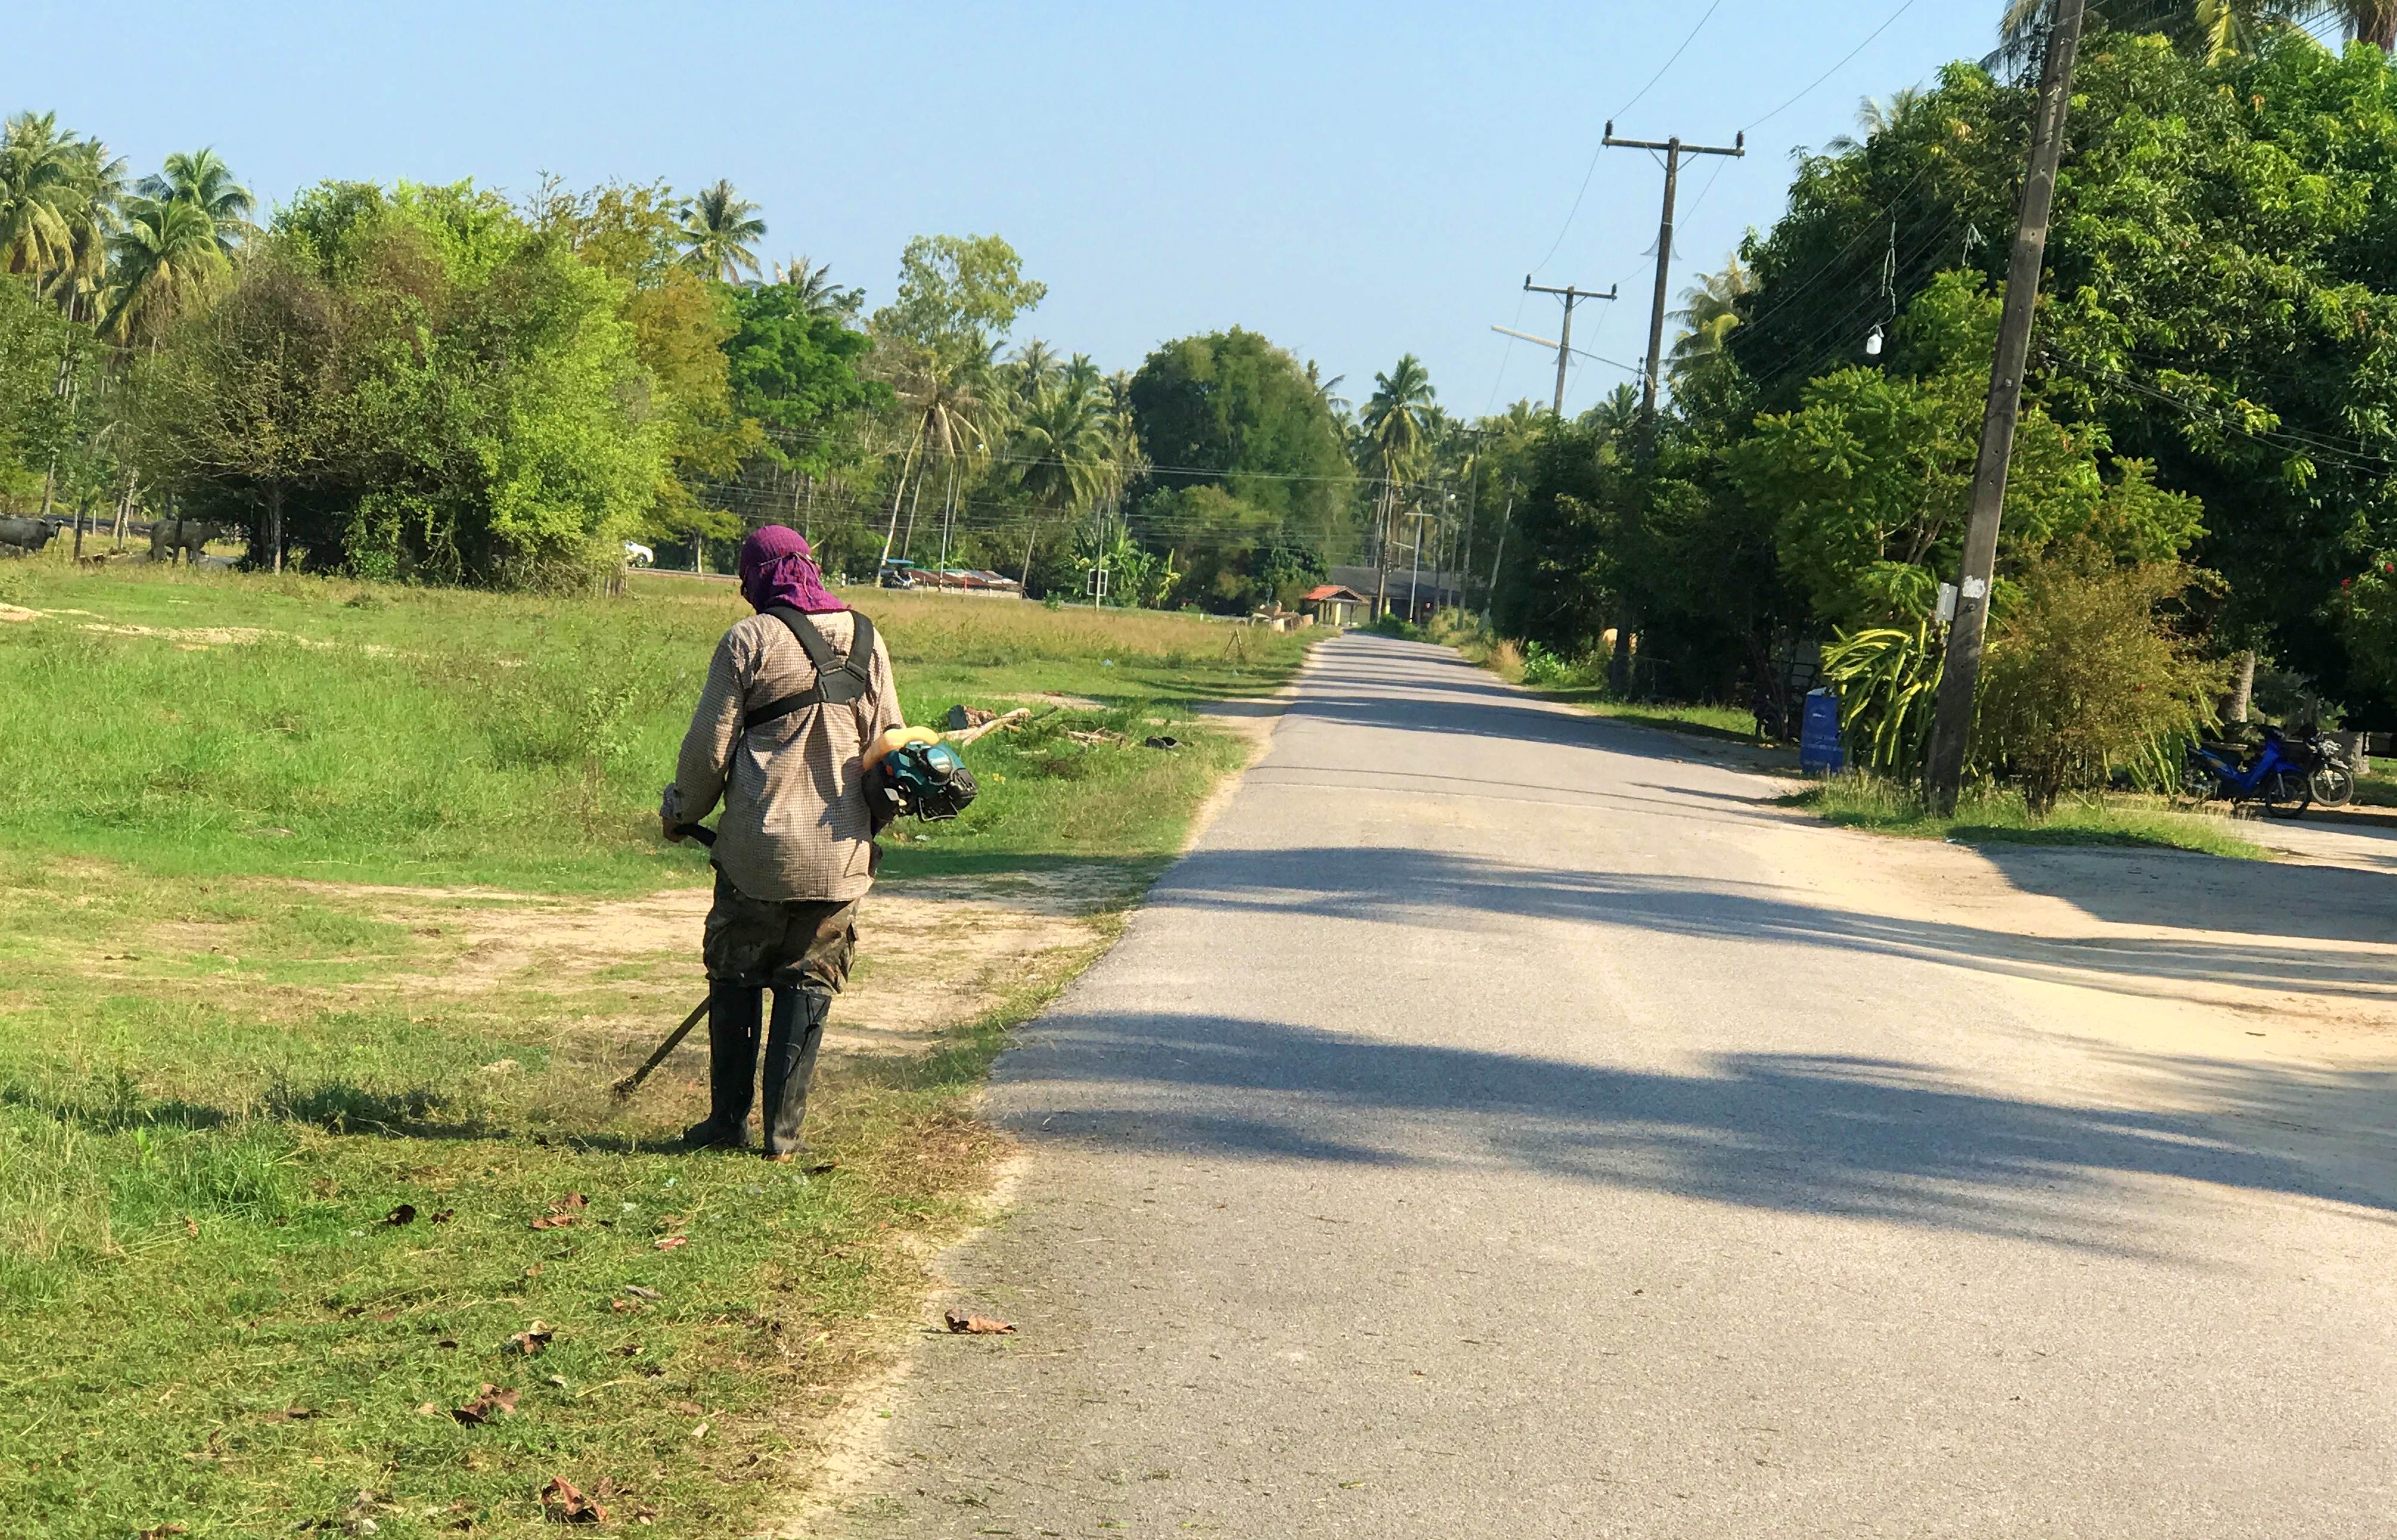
{"type": "Point", "coordinates": [717, 227]}
{"type": "Point", "coordinates": [1709, 310]}
{"type": "Point", "coordinates": [1876, 116]}
{"type": "Point", "coordinates": [37, 186]}
{"type": "Point", "coordinates": [1033, 370]}
{"type": "Point", "coordinates": [956, 410]}
{"type": "Point", "coordinates": [202, 179]}
{"type": "Point", "coordinates": [1327, 392]}
{"type": "Point", "coordinates": [92, 215]}
{"type": "Point", "coordinates": [2217, 28]}
{"type": "Point", "coordinates": [1397, 418]}
{"type": "Point", "coordinates": [168, 262]}
{"type": "Point", "coordinates": [817, 295]}
{"type": "Point", "coordinates": [1065, 443]}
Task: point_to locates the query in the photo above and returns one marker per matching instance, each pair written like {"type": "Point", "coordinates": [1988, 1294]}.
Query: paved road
{"type": "Point", "coordinates": [1495, 1129]}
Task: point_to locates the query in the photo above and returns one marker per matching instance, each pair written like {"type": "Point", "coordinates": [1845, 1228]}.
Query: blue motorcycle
{"type": "Point", "coordinates": [2278, 777]}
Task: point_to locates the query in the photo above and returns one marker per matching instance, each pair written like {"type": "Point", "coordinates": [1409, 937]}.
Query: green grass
{"type": "Point", "coordinates": [312, 729]}
{"type": "Point", "coordinates": [217, 1083]}
{"type": "Point", "coordinates": [2001, 817]}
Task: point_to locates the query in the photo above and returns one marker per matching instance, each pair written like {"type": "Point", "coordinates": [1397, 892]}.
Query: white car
{"type": "Point", "coordinates": [639, 556]}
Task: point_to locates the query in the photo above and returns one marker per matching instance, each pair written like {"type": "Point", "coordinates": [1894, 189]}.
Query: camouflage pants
{"type": "Point", "coordinates": [767, 941]}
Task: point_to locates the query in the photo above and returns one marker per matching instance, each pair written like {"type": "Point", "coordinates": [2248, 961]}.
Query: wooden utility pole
{"type": "Point", "coordinates": [1563, 343]}
{"type": "Point", "coordinates": [1674, 150]}
{"type": "Point", "coordinates": [1951, 723]}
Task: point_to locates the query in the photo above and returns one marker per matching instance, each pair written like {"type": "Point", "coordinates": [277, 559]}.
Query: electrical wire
{"type": "Point", "coordinates": [1835, 69]}
{"type": "Point", "coordinates": [1638, 97]}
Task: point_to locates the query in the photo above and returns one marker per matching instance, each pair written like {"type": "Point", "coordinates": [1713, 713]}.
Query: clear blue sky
{"type": "Point", "coordinates": [1353, 181]}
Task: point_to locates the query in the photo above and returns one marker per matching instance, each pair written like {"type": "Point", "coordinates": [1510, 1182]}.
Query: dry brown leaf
{"type": "Point", "coordinates": [161, 1532]}
{"type": "Point", "coordinates": [490, 1403]}
{"type": "Point", "coordinates": [429, 1409]}
{"type": "Point", "coordinates": [571, 1201]}
{"type": "Point", "coordinates": [442, 1217]}
{"type": "Point", "coordinates": [553, 1222]}
{"type": "Point", "coordinates": [564, 1504]}
{"type": "Point", "coordinates": [533, 1271]}
{"type": "Point", "coordinates": [980, 1326]}
{"type": "Point", "coordinates": [689, 1408]}
{"type": "Point", "coordinates": [404, 1214]}
{"type": "Point", "coordinates": [191, 1226]}
{"type": "Point", "coordinates": [533, 1338]}
{"type": "Point", "coordinates": [667, 1243]}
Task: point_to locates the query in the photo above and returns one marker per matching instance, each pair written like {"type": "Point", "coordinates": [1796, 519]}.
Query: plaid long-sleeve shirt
{"type": "Point", "coordinates": [794, 825]}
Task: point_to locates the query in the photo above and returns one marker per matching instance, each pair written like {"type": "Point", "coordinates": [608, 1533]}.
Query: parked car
{"type": "Point", "coordinates": [636, 554]}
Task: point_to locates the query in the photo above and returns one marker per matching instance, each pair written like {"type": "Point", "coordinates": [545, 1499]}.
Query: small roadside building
{"type": "Point", "coordinates": [1334, 605]}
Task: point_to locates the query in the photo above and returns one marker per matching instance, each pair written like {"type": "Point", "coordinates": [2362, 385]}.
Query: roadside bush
{"type": "Point", "coordinates": [2085, 675]}
{"type": "Point", "coordinates": [1887, 678]}
{"type": "Point", "coordinates": [1546, 670]}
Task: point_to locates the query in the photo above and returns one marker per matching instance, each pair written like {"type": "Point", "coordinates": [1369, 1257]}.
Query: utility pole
{"type": "Point", "coordinates": [1490, 601]}
{"type": "Point", "coordinates": [1564, 344]}
{"type": "Point", "coordinates": [1674, 150]}
{"type": "Point", "coordinates": [1951, 722]}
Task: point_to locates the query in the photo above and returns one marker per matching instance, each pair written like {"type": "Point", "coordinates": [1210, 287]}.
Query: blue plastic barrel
{"type": "Point", "coordinates": [1819, 751]}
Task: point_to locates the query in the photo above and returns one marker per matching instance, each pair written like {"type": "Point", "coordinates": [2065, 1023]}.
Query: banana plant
{"type": "Point", "coordinates": [1887, 679]}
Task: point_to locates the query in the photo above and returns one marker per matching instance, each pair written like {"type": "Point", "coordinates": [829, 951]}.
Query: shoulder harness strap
{"type": "Point", "coordinates": [837, 684]}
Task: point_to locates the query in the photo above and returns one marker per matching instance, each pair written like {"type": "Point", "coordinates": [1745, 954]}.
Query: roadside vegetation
{"type": "Point", "coordinates": [1991, 815]}
{"type": "Point", "coordinates": [304, 1130]}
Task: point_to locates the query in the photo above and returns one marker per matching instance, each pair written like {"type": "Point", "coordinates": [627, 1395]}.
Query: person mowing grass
{"type": "Point", "coordinates": [794, 696]}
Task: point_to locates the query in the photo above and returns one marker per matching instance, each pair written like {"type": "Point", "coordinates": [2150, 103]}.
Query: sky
{"type": "Point", "coordinates": [1353, 181]}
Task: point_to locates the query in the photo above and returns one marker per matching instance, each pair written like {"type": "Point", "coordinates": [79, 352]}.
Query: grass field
{"type": "Point", "coordinates": [2000, 817]}
{"type": "Point", "coordinates": [277, 1124]}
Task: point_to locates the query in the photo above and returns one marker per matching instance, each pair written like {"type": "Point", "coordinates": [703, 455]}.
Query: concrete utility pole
{"type": "Point", "coordinates": [1951, 722]}
{"type": "Point", "coordinates": [1563, 343]}
{"type": "Point", "coordinates": [1674, 150]}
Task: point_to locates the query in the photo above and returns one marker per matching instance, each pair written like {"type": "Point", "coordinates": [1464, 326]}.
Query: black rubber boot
{"type": "Point", "coordinates": [732, 1014]}
{"type": "Point", "coordinates": [791, 1043]}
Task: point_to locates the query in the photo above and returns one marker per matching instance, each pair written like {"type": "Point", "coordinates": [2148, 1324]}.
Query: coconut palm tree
{"type": "Point", "coordinates": [168, 263]}
{"type": "Point", "coordinates": [1033, 370]}
{"type": "Point", "coordinates": [1397, 419]}
{"type": "Point", "coordinates": [717, 227]}
{"type": "Point", "coordinates": [92, 215]}
{"type": "Point", "coordinates": [817, 295]}
{"type": "Point", "coordinates": [955, 409]}
{"type": "Point", "coordinates": [202, 179]}
{"type": "Point", "coordinates": [1709, 311]}
{"type": "Point", "coordinates": [2217, 28]}
{"type": "Point", "coordinates": [1878, 115]}
{"type": "Point", "coordinates": [1063, 441]}
{"type": "Point", "coordinates": [37, 190]}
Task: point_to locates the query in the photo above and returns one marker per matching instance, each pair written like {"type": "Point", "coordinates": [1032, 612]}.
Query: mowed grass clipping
{"type": "Point", "coordinates": [1988, 816]}
{"type": "Point", "coordinates": [211, 722]}
{"type": "Point", "coordinates": [269, 1173]}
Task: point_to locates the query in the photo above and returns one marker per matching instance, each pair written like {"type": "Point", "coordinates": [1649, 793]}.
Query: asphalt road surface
{"type": "Point", "coordinates": [1505, 1124]}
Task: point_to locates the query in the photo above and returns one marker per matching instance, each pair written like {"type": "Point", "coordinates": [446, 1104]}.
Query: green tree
{"type": "Point", "coordinates": [168, 263]}
{"type": "Point", "coordinates": [37, 191]}
{"type": "Point", "coordinates": [201, 179]}
{"type": "Point", "coordinates": [412, 382]}
{"type": "Point", "coordinates": [719, 226]}
{"type": "Point", "coordinates": [817, 295]}
{"type": "Point", "coordinates": [1709, 312]}
{"type": "Point", "coordinates": [794, 368]}
{"type": "Point", "coordinates": [959, 298]}
{"type": "Point", "coordinates": [1231, 410]}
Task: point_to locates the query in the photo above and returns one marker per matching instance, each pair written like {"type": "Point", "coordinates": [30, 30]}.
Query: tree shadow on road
{"type": "Point", "coordinates": [1440, 890]}
{"type": "Point", "coordinates": [1854, 1137]}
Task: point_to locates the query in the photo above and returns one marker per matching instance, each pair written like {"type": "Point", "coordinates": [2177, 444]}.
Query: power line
{"type": "Point", "coordinates": [1836, 67]}
{"type": "Point", "coordinates": [1641, 96]}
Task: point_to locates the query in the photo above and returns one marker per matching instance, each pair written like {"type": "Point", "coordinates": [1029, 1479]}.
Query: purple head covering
{"type": "Point", "coordinates": [777, 567]}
